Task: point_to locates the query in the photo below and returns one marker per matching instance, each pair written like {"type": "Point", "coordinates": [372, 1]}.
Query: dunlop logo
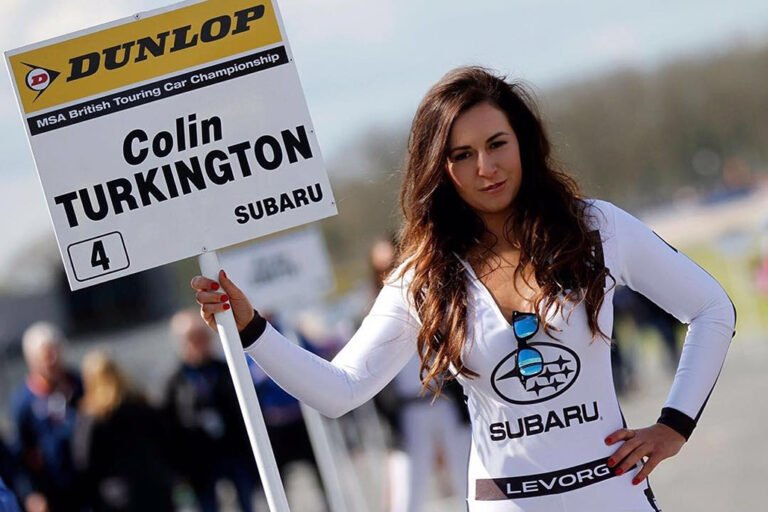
{"type": "Point", "coordinates": [138, 49]}
{"type": "Point", "coordinates": [180, 38]}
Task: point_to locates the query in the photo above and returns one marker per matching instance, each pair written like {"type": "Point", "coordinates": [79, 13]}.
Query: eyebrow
{"type": "Point", "coordinates": [497, 134]}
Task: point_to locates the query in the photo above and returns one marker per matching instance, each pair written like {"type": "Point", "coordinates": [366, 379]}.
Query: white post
{"type": "Point", "coordinates": [318, 436]}
{"type": "Point", "coordinates": [246, 396]}
{"type": "Point", "coordinates": [326, 463]}
{"type": "Point", "coordinates": [376, 454]}
{"type": "Point", "coordinates": [333, 433]}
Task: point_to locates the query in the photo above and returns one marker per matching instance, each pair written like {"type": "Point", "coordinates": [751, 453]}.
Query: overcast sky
{"type": "Point", "coordinates": [366, 62]}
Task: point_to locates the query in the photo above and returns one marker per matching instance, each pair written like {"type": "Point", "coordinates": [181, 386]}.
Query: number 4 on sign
{"type": "Point", "coordinates": [99, 255]}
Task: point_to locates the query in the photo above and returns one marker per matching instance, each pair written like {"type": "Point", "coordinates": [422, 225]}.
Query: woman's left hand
{"type": "Point", "coordinates": [657, 442]}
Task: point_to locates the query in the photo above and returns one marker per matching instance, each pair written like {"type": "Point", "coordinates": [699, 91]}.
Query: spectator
{"type": "Point", "coordinates": [119, 445]}
{"type": "Point", "coordinates": [210, 438]}
{"type": "Point", "coordinates": [43, 411]}
{"type": "Point", "coordinates": [643, 313]}
{"type": "Point", "coordinates": [284, 420]}
{"type": "Point", "coordinates": [8, 502]}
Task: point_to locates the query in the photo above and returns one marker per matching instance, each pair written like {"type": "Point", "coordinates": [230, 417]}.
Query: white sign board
{"type": "Point", "coordinates": [283, 273]}
{"type": "Point", "coordinates": [168, 134]}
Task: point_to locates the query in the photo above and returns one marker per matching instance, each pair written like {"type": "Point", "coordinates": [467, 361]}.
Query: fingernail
{"type": "Point", "coordinates": [635, 481]}
{"type": "Point", "coordinates": [619, 471]}
{"type": "Point", "coordinates": [224, 298]}
{"type": "Point", "coordinates": [607, 440]}
{"type": "Point", "coordinates": [611, 463]}
{"type": "Point", "coordinates": [226, 307]}
{"type": "Point", "coordinates": [215, 286]}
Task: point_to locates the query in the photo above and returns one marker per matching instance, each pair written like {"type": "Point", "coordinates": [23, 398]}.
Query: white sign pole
{"type": "Point", "coordinates": [246, 396]}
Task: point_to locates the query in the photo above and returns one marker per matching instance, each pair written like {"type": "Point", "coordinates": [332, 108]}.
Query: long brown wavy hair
{"type": "Point", "coordinates": [549, 223]}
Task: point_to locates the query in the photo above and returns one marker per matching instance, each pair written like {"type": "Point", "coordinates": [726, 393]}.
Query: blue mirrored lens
{"type": "Point", "coordinates": [525, 326]}
{"type": "Point", "coordinates": [530, 362]}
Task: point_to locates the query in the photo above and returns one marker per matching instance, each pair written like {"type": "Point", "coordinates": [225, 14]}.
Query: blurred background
{"type": "Point", "coordinates": [658, 107]}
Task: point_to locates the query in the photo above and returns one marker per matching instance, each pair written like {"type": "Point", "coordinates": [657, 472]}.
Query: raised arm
{"type": "Point", "coordinates": [382, 345]}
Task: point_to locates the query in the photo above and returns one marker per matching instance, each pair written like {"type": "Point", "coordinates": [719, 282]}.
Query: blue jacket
{"type": "Point", "coordinates": [8, 501]}
{"type": "Point", "coordinates": [44, 425]}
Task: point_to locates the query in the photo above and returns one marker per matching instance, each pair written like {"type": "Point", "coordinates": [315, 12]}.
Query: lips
{"type": "Point", "coordinates": [495, 186]}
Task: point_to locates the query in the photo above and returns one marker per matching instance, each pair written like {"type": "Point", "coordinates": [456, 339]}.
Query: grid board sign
{"type": "Point", "coordinates": [170, 133]}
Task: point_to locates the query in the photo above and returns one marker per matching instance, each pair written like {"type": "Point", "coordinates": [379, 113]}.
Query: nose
{"type": "Point", "coordinates": [486, 166]}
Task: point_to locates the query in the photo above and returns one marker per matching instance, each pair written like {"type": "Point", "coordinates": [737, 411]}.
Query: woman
{"type": "Point", "coordinates": [119, 443]}
{"type": "Point", "coordinates": [506, 281]}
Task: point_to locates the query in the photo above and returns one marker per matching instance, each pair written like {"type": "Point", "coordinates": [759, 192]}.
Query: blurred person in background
{"type": "Point", "coordinates": [8, 501]}
{"type": "Point", "coordinates": [426, 431]}
{"type": "Point", "coordinates": [761, 267]}
{"type": "Point", "coordinates": [506, 279]}
{"type": "Point", "coordinates": [210, 442]}
{"type": "Point", "coordinates": [120, 443]}
{"type": "Point", "coordinates": [43, 412]}
{"type": "Point", "coordinates": [7, 466]}
{"type": "Point", "coordinates": [284, 420]}
{"type": "Point", "coordinates": [644, 314]}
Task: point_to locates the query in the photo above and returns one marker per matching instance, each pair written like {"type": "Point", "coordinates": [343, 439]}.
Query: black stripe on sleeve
{"type": "Point", "coordinates": [253, 330]}
{"type": "Point", "coordinates": [677, 421]}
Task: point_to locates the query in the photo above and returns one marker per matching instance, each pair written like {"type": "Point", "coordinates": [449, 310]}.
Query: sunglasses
{"type": "Point", "coordinates": [529, 361]}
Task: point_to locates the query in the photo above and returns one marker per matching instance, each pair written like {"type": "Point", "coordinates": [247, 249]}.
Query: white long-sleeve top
{"type": "Point", "coordinates": [537, 445]}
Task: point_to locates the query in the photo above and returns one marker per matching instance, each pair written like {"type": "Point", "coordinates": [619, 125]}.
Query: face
{"type": "Point", "coordinates": [484, 160]}
{"type": "Point", "coordinates": [382, 256]}
{"type": "Point", "coordinates": [196, 344]}
{"type": "Point", "coordinates": [46, 361]}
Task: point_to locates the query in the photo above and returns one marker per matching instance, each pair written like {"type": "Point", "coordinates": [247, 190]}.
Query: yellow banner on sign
{"type": "Point", "coordinates": [140, 50]}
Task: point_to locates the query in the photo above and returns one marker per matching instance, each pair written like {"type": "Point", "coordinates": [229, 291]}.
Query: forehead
{"type": "Point", "coordinates": [477, 124]}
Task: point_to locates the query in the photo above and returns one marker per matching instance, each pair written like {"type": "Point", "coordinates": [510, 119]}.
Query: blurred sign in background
{"type": "Point", "coordinates": [283, 272]}
{"type": "Point", "coordinates": [659, 107]}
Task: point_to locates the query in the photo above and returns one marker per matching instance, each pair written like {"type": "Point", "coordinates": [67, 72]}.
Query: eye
{"type": "Point", "coordinates": [498, 143]}
{"type": "Point", "coordinates": [459, 156]}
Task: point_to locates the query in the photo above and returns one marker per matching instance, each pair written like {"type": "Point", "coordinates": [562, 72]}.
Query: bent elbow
{"type": "Point", "coordinates": [723, 312]}
{"type": "Point", "coordinates": [335, 411]}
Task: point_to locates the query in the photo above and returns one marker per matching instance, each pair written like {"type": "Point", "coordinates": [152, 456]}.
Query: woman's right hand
{"type": "Point", "coordinates": [216, 297]}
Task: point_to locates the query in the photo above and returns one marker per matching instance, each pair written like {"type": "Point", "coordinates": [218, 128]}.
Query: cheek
{"type": "Point", "coordinates": [512, 159]}
{"type": "Point", "coordinates": [458, 179]}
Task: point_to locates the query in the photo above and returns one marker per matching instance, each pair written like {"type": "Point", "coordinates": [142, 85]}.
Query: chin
{"type": "Point", "coordinates": [497, 207]}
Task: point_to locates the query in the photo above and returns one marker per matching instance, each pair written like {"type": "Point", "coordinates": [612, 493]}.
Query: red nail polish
{"type": "Point", "coordinates": [214, 286]}
{"type": "Point", "coordinates": [226, 307]}
{"type": "Point", "coordinates": [635, 481]}
{"type": "Point", "coordinates": [224, 298]}
{"type": "Point", "coordinates": [611, 462]}
{"type": "Point", "coordinates": [619, 472]}
{"type": "Point", "coordinates": [607, 440]}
